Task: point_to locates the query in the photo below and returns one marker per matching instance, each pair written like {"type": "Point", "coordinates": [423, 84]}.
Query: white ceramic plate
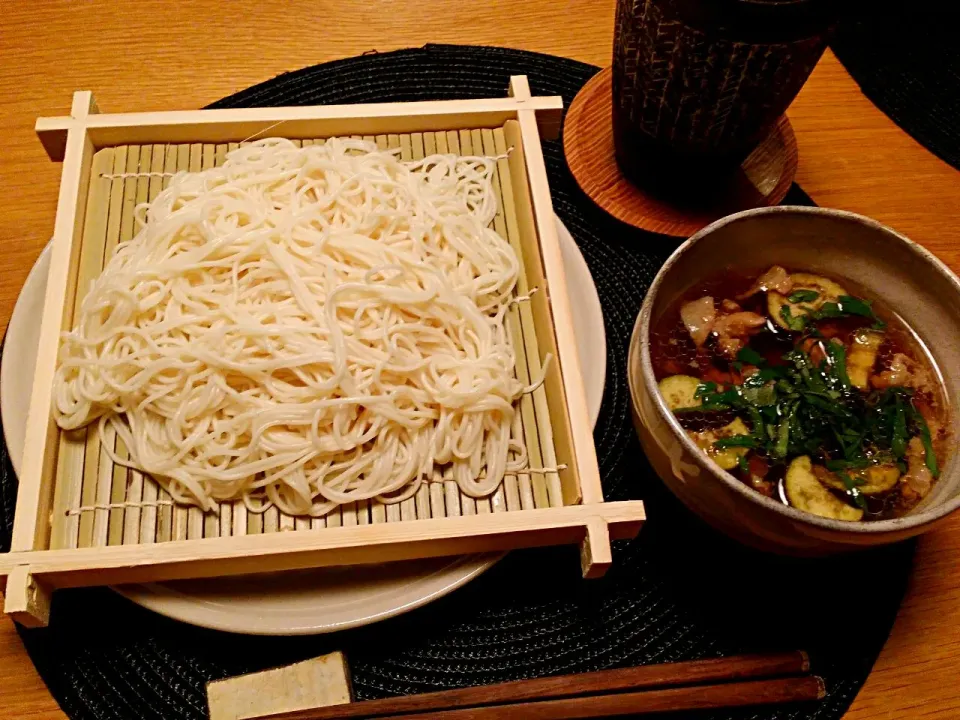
{"type": "Point", "coordinates": [307, 602]}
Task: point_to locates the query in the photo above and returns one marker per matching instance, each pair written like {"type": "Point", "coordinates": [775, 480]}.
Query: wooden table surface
{"type": "Point", "coordinates": [158, 55]}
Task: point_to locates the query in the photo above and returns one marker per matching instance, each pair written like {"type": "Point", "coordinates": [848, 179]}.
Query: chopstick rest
{"type": "Point", "coordinates": [313, 683]}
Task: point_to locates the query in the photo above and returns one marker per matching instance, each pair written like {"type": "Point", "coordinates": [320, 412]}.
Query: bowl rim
{"type": "Point", "coordinates": [640, 340]}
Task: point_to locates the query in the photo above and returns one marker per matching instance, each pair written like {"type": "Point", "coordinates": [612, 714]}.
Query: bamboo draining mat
{"type": "Point", "coordinates": [98, 503]}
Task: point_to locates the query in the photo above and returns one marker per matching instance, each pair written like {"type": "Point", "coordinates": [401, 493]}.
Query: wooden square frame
{"type": "Point", "coordinates": [33, 568]}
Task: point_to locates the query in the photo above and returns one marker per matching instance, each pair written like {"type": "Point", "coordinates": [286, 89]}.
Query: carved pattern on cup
{"type": "Point", "coordinates": [699, 91]}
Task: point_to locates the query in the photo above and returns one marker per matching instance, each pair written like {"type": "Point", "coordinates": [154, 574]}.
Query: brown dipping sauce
{"type": "Point", "coordinates": [900, 367]}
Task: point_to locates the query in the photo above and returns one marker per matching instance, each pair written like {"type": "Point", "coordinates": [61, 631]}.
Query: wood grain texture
{"type": "Point", "coordinates": [87, 478]}
{"type": "Point", "coordinates": [673, 699]}
{"type": "Point", "coordinates": [851, 157]}
{"type": "Point", "coordinates": [244, 554]}
{"type": "Point", "coordinates": [696, 672]}
{"type": "Point", "coordinates": [313, 683]}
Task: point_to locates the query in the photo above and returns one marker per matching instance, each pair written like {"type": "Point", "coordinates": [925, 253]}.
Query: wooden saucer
{"type": "Point", "coordinates": [763, 179]}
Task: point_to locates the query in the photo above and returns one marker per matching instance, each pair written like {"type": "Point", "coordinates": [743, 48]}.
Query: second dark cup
{"type": "Point", "coordinates": [697, 84]}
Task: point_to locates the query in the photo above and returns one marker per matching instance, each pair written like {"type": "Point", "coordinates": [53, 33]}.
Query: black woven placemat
{"type": "Point", "coordinates": [679, 591]}
{"type": "Point", "coordinates": [906, 59]}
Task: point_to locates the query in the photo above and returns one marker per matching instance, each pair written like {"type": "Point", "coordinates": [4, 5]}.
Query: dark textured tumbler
{"type": "Point", "coordinates": [697, 84]}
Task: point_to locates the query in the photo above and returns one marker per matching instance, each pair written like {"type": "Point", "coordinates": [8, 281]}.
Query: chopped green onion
{"type": "Point", "coordinates": [739, 441]}
{"type": "Point", "coordinates": [706, 407]}
{"type": "Point", "coordinates": [760, 396]}
{"type": "Point", "coordinates": [797, 324]}
{"type": "Point", "coordinates": [800, 296]}
{"type": "Point", "coordinates": [845, 306]}
{"type": "Point", "coordinates": [837, 355]}
{"type": "Point", "coordinates": [797, 407]}
{"type": "Point", "coordinates": [770, 373]}
{"type": "Point", "coordinates": [705, 389]}
{"type": "Point", "coordinates": [827, 310]}
{"type": "Point", "coordinates": [749, 356]}
{"type": "Point", "coordinates": [930, 457]}
{"type": "Point", "coordinates": [783, 436]}
{"type": "Point", "coordinates": [852, 485]}
{"type": "Point", "coordinates": [898, 441]}
{"type": "Point", "coordinates": [850, 305]}
{"type": "Point", "coordinates": [756, 420]}
{"type": "Point", "coordinates": [784, 386]}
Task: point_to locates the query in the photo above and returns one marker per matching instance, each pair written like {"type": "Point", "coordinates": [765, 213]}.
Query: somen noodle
{"type": "Point", "coordinates": [305, 327]}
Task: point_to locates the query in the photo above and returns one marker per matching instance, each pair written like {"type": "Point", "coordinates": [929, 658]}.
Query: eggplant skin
{"type": "Point", "coordinates": [876, 479]}
{"type": "Point", "coordinates": [827, 289]}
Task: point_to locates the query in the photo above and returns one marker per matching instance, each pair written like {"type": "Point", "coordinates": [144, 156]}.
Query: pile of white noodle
{"type": "Point", "coordinates": [305, 328]}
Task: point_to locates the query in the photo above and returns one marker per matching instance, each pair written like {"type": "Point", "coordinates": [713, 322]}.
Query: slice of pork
{"type": "Point", "coordinates": [699, 316]}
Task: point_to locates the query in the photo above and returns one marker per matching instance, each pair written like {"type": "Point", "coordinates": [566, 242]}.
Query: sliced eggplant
{"type": "Point", "coordinates": [680, 391]}
{"type": "Point", "coordinates": [875, 479]}
{"type": "Point", "coordinates": [826, 291]}
{"type": "Point", "coordinates": [726, 458]}
{"type": "Point", "coordinates": [862, 356]}
{"type": "Point", "coordinates": [806, 493]}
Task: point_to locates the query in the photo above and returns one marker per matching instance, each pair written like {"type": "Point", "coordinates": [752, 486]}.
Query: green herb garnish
{"type": "Point", "coordinates": [801, 296]}
{"type": "Point", "coordinates": [781, 444]}
{"type": "Point", "coordinates": [757, 422]}
{"type": "Point", "coordinates": [836, 465]}
{"type": "Point", "coordinates": [749, 356]}
{"type": "Point", "coordinates": [898, 439]}
{"type": "Point", "coordinates": [930, 457]}
{"type": "Point", "coordinates": [738, 441]}
{"type": "Point", "coordinates": [844, 306]}
{"type": "Point", "coordinates": [837, 362]}
{"type": "Point", "coordinates": [760, 396]}
{"type": "Point", "coordinates": [806, 409]}
{"type": "Point", "coordinates": [852, 484]}
{"type": "Point", "coordinates": [704, 389]}
{"type": "Point", "coordinates": [826, 311]}
{"type": "Point", "coordinates": [850, 305]}
{"type": "Point", "coordinates": [797, 324]}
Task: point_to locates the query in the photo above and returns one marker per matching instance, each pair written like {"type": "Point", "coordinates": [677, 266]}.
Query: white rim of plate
{"type": "Point", "coordinates": [404, 592]}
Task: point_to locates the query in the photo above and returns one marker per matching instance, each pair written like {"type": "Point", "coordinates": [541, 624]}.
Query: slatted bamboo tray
{"type": "Point", "coordinates": [82, 520]}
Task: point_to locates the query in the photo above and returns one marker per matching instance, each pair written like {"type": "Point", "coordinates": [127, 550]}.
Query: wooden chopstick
{"type": "Point", "coordinates": [570, 693]}
{"type": "Point", "coordinates": [692, 697]}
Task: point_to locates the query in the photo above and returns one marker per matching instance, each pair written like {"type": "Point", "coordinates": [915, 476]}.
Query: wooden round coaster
{"type": "Point", "coordinates": [763, 179]}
